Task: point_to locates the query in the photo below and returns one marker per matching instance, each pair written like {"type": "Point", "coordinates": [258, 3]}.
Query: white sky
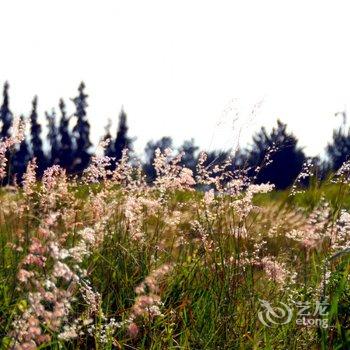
{"type": "Point", "coordinates": [178, 67]}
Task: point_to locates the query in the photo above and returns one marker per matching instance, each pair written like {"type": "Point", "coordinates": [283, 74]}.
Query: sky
{"type": "Point", "coordinates": [212, 70]}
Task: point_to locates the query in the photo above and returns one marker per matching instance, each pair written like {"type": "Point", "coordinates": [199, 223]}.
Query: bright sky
{"type": "Point", "coordinates": [182, 68]}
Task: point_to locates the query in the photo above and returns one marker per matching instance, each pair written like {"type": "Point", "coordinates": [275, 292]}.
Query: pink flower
{"type": "Point", "coordinates": [24, 275]}
{"type": "Point", "coordinates": [133, 330]}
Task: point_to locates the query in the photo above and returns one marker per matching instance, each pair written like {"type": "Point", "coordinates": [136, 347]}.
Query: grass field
{"type": "Point", "coordinates": [110, 262]}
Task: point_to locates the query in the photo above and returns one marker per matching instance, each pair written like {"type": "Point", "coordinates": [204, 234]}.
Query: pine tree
{"type": "Point", "coordinates": [81, 132]}
{"type": "Point", "coordinates": [20, 158]}
{"type": "Point", "coordinates": [189, 159]}
{"type": "Point", "coordinates": [36, 142]}
{"type": "Point", "coordinates": [65, 154]}
{"type": "Point", "coordinates": [287, 160]}
{"type": "Point", "coordinates": [110, 150]}
{"type": "Point", "coordinates": [52, 137]}
{"type": "Point", "coordinates": [122, 140]}
{"type": "Point", "coordinates": [5, 113]}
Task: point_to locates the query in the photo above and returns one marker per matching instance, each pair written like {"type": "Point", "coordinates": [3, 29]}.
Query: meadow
{"type": "Point", "coordinates": [192, 261]}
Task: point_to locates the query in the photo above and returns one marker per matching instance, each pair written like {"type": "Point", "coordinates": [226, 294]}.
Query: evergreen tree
{"type": "Point", "coordinates": [217, 157]}
{"type": "Point", "coordinates": [338, 150]}
{"type": "Point", "coordinates": [52, 137]}
{"type": "Point", "coordinates": [36, 142]}
{"type": "Point", "coordinates": [122, 140]}
{"type": "Point", "coordinates": [20, 158]}
{"type": "Point", "coordinates": [81, 132]}
{"type": "Point", "coordinates": [65, 153]}
{"type": "Point", "coordinates": [287, 160]}
{"type": "Point", "coordinates": [189, 159]}
{"type": "Point", "coordinates": [6, 117]}
{"type": "Point", "coordinates": [110, 150]}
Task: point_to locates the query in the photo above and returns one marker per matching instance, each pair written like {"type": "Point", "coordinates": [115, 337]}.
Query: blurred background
{"type": "Point", "coordinates": [211, 71]}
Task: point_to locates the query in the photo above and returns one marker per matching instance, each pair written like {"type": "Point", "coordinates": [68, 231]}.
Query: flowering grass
{"type": "Point", "coordinates": [109, 261]}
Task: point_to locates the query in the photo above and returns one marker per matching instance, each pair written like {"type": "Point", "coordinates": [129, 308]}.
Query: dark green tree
{"type": "Point", "coordinates": [110, 150]}
{"type": "Point", "coordinates": [65, 152]}
{"type": "Point", "coordinates": [122, 140]}
{"type": "Point", "coordinates": [52, 138]}
{"type": "Point", "coordinates": [36, 142]}
{"type": "Point", "coordinates": [189, 159]}
{"type": "Point", "coordinates": [6, 116]}
{"type": "Point", "coordinates": [277, 155]}
{"type": "Point", "coordinates": [81, 132]}
{"type": "Point", "coordinates": [216, 157]}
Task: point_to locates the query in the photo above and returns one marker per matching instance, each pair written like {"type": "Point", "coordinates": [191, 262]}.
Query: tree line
{"type": "Point", "coordinates": [274, 153]}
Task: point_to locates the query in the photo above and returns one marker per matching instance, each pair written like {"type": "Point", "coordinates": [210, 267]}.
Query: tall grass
{"type": "Point", "coordinates": [111, 262]}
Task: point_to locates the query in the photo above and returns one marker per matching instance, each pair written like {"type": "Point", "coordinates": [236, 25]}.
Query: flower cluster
{"type": "Point", "coordinates": [68, 232]}
{"type": "Point", "coordinates": [147, 303]}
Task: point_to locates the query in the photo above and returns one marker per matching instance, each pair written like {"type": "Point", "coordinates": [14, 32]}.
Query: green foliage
{"type": "Point", "coordinates": [207, 302]}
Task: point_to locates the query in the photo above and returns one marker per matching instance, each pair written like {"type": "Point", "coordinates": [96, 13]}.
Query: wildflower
{"type": "Point", "coordinates": [62, 270]}
{"type": "Point", "coordinates": [147, 303]}
{"type": "Point", "coordinates": [29, 178]}
{"type": "Point", "coordinates": [17, 136]}
{"type": "Point", "coordinates": [134, 216]}
{"type": "Point", "coordinates": [99, 165]}
{"type": "Point", "coordinates": [55, 188]}
{"type": "Point", "coordinates": [315, 230]}
{"type": "Point", "coordinates": [133, 329]}
{"type": "Point", "coordinates": [70, 332]}
{"type": "Point", "coordinates": [24, 275]}
{"type": "Point", "coordinates": [209, 197]}
{"type": "Point", "coordinates": [274, 270]}
{"type": "Point", "coordinates": [306, 171]}
{"type": "Point", "coordinates": [186, 178]}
